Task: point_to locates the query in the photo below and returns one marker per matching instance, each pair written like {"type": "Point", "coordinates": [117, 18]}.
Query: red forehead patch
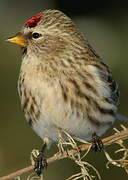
{"type": "Point", "coordinates": [32, 22]}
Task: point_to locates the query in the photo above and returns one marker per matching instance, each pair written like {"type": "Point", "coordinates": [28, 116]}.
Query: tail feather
{"type": "Point", "coordinates": [121, 117]}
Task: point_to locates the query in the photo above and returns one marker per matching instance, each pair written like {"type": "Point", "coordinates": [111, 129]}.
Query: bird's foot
{"type": "Point", "coordinates": [97, 144]}
{"type": "Point", "coordinates": [40, 163]}
{"type": "Point", "coordinates": [38, 160]}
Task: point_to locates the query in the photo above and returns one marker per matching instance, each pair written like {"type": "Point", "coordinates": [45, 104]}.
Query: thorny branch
{"type": "Point", "coordinates": [74, 153]}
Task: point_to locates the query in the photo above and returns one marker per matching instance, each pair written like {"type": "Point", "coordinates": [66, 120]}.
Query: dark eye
{"type": "Point", "coordinates": [36, 35]}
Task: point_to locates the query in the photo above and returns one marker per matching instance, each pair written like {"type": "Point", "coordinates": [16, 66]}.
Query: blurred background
{"type": "Point", "coordinates": [105, 25]}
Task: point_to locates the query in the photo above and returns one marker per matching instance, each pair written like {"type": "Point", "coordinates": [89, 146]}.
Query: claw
{"type": "Point", "coordinates": [40, 164]}
{"type": "Point", "coordinates": [40, 161]}
{"type": "Point", "coordinates": [97, 144]}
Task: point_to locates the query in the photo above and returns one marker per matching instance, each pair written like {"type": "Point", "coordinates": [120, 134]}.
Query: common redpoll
{"type": "Point", "coordinates": [63, 83]}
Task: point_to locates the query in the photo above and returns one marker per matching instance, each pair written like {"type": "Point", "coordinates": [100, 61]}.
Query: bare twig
{"type": "Point", "coordinates": [106, 141]}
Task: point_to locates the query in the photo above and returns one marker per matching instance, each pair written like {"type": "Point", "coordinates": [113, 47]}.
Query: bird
{"type": "Point", "coordinates": [63, 83]}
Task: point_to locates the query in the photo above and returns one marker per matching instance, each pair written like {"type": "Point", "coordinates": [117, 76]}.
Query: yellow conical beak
{"type": "Point", "coordinates": [19, 39]}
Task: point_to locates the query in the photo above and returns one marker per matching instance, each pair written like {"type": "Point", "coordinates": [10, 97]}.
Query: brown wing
{"type": "Point", "coordinates": [114, 90]}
